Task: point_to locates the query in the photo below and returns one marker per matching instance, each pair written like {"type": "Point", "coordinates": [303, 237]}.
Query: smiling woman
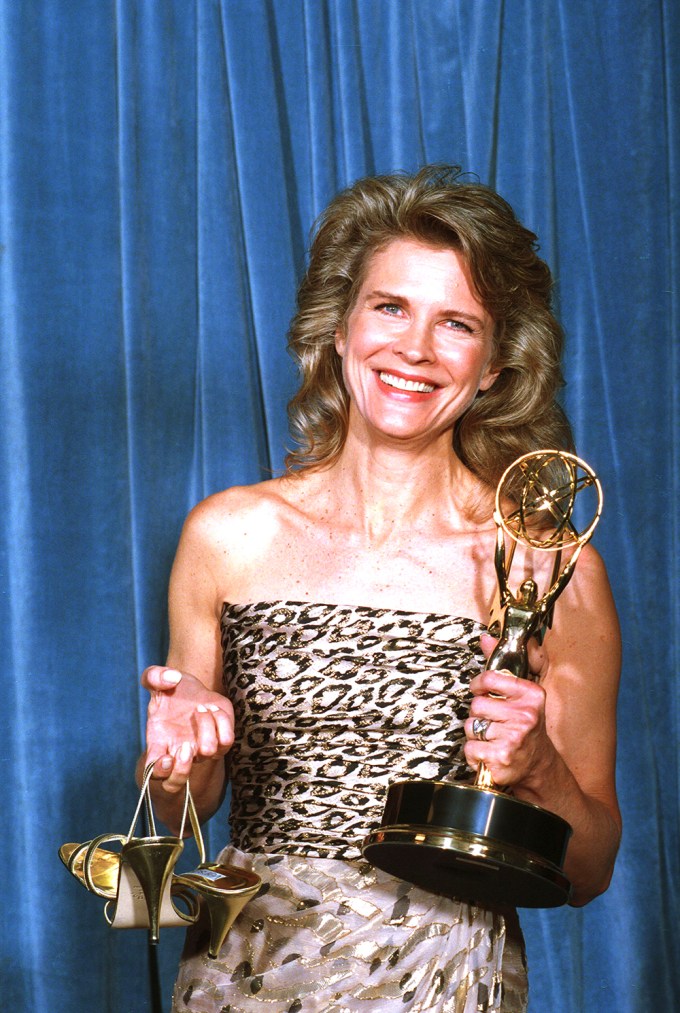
{"type": "Point", "coordinates": [327, 627]}
{"type": "Point", "coordinates": [504, 276]}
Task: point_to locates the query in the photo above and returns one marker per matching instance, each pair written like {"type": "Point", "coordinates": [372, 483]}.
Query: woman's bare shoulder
{"type": "Point", "coordinates": [228, 517]}
{"type": "Point", "coordinates": [238, 540]}
{"type": "Point", "coordinates": [586, 630]}
{"type": "Point", "coordinates": [589, 586]}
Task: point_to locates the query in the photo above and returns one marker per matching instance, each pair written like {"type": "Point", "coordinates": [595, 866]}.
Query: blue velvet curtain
{"type": "Point", "coordinates": [162, 163]}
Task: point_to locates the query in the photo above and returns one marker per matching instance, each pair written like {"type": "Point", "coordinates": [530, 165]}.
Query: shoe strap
{"type": "Point", "coordinates": [195, 825]}
{"type": "Point", "coordinates": [144, 795]}
{"type": "Point", "coordinates": [189, 808]}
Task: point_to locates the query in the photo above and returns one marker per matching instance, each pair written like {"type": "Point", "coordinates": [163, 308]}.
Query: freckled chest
{"type": "Point", "coordinates": [318, 561]}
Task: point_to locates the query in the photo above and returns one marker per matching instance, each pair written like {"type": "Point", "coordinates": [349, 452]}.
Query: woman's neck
{"type": "Point", "coordinates": [383, 490]}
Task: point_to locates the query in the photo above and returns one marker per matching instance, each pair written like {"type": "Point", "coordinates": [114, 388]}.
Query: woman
{"type": "Point", "coordinates": [327, 627]}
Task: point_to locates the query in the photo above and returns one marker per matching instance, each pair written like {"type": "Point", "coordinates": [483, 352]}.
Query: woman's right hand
{"type": "Point", "coordinates": [186, 723]}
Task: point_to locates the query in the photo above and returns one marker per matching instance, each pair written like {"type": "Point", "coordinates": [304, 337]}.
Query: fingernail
{"type": "Point", "coordinates": [213, 707]}
{"type": "Point", "coordinates": [202, 709]}
{"type": "Point", "coordinates": [166, 763]}
{"type": "Point", "coordinates": [185, 752]}
{"type": "Point", "coordinates": [172, 676]}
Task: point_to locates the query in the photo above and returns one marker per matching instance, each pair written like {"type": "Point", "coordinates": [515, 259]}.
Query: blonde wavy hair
{"type": "Point", "coordinates": [437, 205]}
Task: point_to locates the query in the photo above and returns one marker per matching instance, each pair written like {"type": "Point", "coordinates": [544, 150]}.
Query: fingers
{"type": "Point", "coordinates": [187, 723]}
{"type": "Point", "coordinates": [203, 731]}
{"type": "Point", "coordinates": [158, 678]}
{"type": "Point", "coordinates": [497, 755]}
{"type": "Point", "coordinates": [501, 684]}
{"type": "Point", "coordinates": [214, 730]}
{"type": "Point", "coordinates": [481, 729]}
{"type": "Point", "coordinates": [487, 643]}
{"type": "Point", "coordinates": [506, 725]}
{"type": "Point", "coordinates": [502, 697]}
{"type": "Point", "coordinates": [173, 769]}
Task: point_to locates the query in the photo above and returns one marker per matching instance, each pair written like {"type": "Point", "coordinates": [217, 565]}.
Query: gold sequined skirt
{"type": "Point", "coordinates": [341, 936]}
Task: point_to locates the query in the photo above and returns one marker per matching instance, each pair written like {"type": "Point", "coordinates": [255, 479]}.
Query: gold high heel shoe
{"type": "Point", "coordinates": [138, 878]}
{"type": "Point", "coordinates": [224, 889]}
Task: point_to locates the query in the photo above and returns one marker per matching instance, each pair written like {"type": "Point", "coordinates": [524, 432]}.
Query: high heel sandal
{"type": "Point", "coordinates": [138, 879]}
{"type": "Point", "coordinates": [223, 889]}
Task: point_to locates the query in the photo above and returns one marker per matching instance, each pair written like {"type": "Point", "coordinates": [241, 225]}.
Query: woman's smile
{"type": "Point", "coordinates": [405, 384]}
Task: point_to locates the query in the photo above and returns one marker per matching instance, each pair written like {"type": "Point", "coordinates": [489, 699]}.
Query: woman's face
{"type": "Point", "coordinates": [417, 344]}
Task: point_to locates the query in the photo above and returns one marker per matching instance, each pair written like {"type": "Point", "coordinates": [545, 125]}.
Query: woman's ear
{"type": "Point", "coordinates": [489, 378]}
{"type": "Point", "coordinates": [340, 342]}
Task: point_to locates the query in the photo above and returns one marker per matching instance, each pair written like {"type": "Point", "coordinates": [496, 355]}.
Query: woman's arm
{"type": "Point", "coordinates": [190, 722]}
{"type": "Point", "coordinates": [554, 742]}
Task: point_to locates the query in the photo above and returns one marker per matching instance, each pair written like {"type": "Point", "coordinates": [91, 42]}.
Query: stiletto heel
{"type": "Point", "coordinates": [151, 861]}
{"type": "Point", "coordinates": [224, 889]}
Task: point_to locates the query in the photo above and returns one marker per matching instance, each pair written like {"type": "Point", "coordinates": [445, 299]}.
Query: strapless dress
{"type": "Point", "coordinates": [332, 703]}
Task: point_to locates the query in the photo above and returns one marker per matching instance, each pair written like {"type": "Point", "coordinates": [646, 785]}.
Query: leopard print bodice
{"type": "Point", "coordinates": [333, 703]}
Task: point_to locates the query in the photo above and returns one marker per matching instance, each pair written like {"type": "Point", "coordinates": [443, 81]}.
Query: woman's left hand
{"type": "Point", "coordinates": [554, 740]}
{"type": "Point", "coordinates": [516, 747]}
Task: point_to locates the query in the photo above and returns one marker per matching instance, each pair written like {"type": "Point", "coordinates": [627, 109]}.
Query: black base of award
{"type": "Point", "coordinates": [473, 843]}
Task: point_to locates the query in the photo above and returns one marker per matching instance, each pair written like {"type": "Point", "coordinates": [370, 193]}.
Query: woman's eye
{"type": "Point", "coordinates": [389, 307]}
{"type": "Point", "coordinates": [459, 325]}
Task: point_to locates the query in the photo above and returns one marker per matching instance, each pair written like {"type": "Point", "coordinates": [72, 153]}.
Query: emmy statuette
{"type": "Point", "coordinates": [476, 841]}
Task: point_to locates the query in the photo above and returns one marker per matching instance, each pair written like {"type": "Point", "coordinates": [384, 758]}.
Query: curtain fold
{"type": "Point", "coordinates": [160, 167]}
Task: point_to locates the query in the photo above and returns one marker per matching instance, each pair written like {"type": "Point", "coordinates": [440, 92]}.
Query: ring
{"type": "Point", "coordinates": [480, 727]}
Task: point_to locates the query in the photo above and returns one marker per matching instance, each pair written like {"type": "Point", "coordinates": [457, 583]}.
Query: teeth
{"type": "Point", "coordinates": [401, 384]}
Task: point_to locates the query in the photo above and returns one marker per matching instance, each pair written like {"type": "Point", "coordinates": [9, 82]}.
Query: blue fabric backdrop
{"type": "Point", "coordinates": [161, 165]}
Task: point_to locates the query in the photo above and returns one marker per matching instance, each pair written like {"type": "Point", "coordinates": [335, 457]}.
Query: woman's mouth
{"type": "Point", "coordinates": [401, 383]}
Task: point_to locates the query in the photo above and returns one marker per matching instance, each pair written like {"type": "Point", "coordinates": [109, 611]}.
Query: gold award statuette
{"type": "Point", "coordinates": [476, 841]}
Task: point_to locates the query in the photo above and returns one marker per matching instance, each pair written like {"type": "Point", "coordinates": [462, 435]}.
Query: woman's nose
{"type": "Point", "coordinates": [414, 344]}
